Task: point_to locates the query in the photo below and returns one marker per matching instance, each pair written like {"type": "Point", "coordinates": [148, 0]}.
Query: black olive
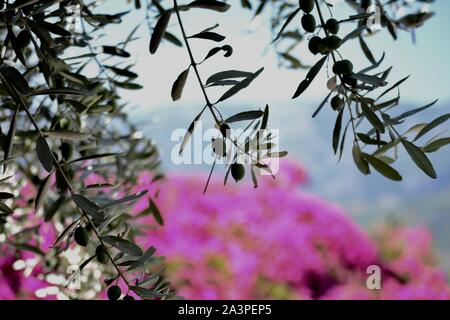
{"type": "Point", "coordinates": [237, 171]}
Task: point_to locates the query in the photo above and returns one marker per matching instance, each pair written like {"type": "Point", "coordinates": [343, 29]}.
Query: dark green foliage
{"type": "Point", "coordinates": [357, 94]}
{"type": "Point", "coordinates": [58, 117]}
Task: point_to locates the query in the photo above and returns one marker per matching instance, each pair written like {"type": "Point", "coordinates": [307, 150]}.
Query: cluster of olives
{"type": "Point", "coordinates": [81, 237]}
{"type": "Point", "coordinates": [343, 69]}
{"type": "Point", "coordinates": [329, 43]}
{"type": "Point", "coordinates": [324, 45]}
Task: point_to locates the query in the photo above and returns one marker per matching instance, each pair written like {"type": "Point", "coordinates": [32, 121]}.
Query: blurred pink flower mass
{"type": "Point", "coordinates": [275, 242]}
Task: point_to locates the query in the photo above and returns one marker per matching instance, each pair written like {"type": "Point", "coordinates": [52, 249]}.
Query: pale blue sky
{"type": "Point", "coordinates": [427, 62]}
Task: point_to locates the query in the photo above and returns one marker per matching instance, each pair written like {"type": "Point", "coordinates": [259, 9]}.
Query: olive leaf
{"type": "Point", "coordinates": [208, 35]}
{"type": "Point", "coordinates": [148, 254]}
{"type": "Point", "coordinates": [172, 39]}
{"type": "Point", "coordinates": [114, 51]}
{"type": "Point", "coordinates": [123, 245]}
{"type": "Point", "coordinates": [14, 78]}
{"type": "Point", "coordinates": [95, 156]}
{"type": "Point", "coordinates": [61, 91]}
{"type": "Point", "coordinates": [128, 85]}
{"type": "Point", "coordinates": [288, 20]}
{"type": "Point", "coordinates": [189, 132]}
{"type": "Point", "coordinates": [433, 124]}
{"type": "Point", "coordinates": [15, 45]}
{"type": "Point", "coordinates": [44, 154]}
{"type": "Point", "coordinates": [42, 193]}
{"type": "Point", "coordinates": [86, 262]}
{"type": "Point", "coordinates": [435, 145]}
{"type": "Point", "coordinates": [55, 206]}
{"type": "Point", "coordinates": [227, 48]}
{"type": "Point", "coordinates": [414, 111]}
{"type": "Point", "coordinates": [4, 208]}
{"type": "Point", "coordinates": [88, 206]}
{"type": "Point", "coordinates": [10, 139]}
{"type": "Point", "coordinates": [368, 79]}
{"type": "Point", "coordinates": [280, 154]}
{"type": "Point", "coordinates": [159, 31]}
{"type": "Point", "coordinates": [129, 198]}
{"type": "Point", "coordinates": [68, 135]}
{"type": "Point", "coordinates": [229, 74]}
{"type": "Point", "coordinates": [54, 28]}
{"type": "Point", "coordinates": [372, 117]}
{"type": "Point", "coordinates": [178, 85]}
{"type": "Point", "coordinates": [366, 50]}
{"type": "Point", "coordinates": [419, 157]}
{"type": "Point", "coordinates": [122, 72]}
{"type": "Point", "coordinates": [324, 101]}
{"type": "Point", "coordinates": [246, 115]}
{"type": "Point", "coordinates": [6, 195]}
{"type": "Point", "coordinates": [382, 167]}
{"type": "Point", "coordinates": [397, 84]}
{"type": "Point", "coordinates": [156, 213]}
{"type": "Point", "coordinates": [309, 77]}
{"type": "Point", "coordinates": [265, 118]}
{"type": "Point", "coordinates": [65, 233]}
{"type": "Point", "coordinates": [28, 247]}
{"type": "Point", "coordinates": [145, 293]}
{"type": "Point", "coordinates": [210, 5]}
{"type": "Point", "coordinates": [240, 85]}
{"type": "Point", "coordinates": [337, 130]}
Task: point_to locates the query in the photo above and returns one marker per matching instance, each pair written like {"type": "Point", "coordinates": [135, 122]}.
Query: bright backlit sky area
{"type": "Point", "coordinates": [427, 61]}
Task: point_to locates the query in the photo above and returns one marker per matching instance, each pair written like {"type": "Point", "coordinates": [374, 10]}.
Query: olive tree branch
{"type": "Point", "coordinates": [24, 105]}
{"type": "Point", "coordinates": [322, 22]}
{"type": "Point", "coordinates": [194, 64]}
